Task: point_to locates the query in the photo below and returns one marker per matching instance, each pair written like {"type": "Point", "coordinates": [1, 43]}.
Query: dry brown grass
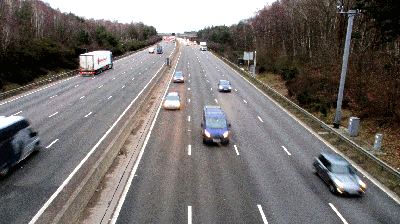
{"type": "Point", "coordinates": [367, 130]}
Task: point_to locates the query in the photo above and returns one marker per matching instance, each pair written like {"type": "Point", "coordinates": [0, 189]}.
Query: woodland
{"type": "Point", "coordinates": [37, 39]}
{"type": "Point", "coordinates": [303, 41]}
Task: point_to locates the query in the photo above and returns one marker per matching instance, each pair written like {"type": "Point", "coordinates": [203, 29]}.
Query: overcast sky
{"type": "Point", "coordinates": [167, 16]}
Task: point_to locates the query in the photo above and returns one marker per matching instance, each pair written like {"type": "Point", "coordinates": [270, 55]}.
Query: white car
{"type": "Point", "coordinates": [151, 50]}
{"type": "Point", "coordinates": [172, 101]}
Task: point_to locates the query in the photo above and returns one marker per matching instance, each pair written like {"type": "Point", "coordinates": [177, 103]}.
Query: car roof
{"type": "Point", "coordinates": [213, 111]}
{"type": "Point", "coordinates": [178, 72]}
{"type": "Point", "coordinates": [223, 80]}
{"type": "Point", "coordinates": [7, 121]}
{"type": "Point", "coordinates": [334, 158]}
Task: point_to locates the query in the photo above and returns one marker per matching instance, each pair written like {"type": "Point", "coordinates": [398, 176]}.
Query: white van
{"type": "Point", "coordinates": [17, 141]}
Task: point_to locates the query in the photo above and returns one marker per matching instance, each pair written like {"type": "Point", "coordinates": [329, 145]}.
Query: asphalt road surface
{"type": "Point", "coordinates": [70, 116]}
{"type": "Point", "coordinates": [264, 175]}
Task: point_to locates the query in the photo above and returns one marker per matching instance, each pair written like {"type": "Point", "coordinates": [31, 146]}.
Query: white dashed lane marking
{"type": "Point", "coordinates": [286, 150]}
{"type": "Point", "coordinates": [53, 114]}
{"type": "Point", "coordinates": [51, 144]}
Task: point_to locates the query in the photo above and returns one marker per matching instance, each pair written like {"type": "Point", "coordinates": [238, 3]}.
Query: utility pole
{"type": "Point", "coordinates": [255, 58]}
{"type": "Point", "coordinates": [351, 14]}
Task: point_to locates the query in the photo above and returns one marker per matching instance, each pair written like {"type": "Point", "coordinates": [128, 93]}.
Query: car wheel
{"type": "Point", "coordinates": [37, 148]}
{"type": "Point", "coordinates": [332, 189]}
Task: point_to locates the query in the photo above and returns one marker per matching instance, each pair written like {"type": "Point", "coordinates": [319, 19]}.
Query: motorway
{"type": "Point", "coordinates": [264, 175]}
{"type": "Point", "coordinates": [71, 117]}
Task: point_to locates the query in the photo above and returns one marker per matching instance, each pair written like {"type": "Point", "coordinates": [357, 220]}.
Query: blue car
{"type": "Point", "coordinates": [215, 127]}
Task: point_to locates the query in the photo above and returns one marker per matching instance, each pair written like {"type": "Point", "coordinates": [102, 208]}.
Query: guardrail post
{"type": "Point", "coordinates": [378, 142]}
{"type": "Point", "coordinates": [354, 123]}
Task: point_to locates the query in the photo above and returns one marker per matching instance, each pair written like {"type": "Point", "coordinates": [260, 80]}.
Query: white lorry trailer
{"type": "Point", "coordinates": [95, 62]}
{"type": "Point", "coordinates": [203, 46]}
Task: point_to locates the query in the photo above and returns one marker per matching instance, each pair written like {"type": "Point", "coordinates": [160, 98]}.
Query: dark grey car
{"type": "Point", "coordinates": [224, 86]}
{"type": "Point", "coordinates": [338, 174]}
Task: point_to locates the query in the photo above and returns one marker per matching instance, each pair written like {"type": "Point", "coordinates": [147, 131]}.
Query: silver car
{"type": "Point", "coordinates": [338, 174]}
{"type": "Point", "coordinates": [179, 77]}
{"type": "Point", "coordinates": [172, 101]}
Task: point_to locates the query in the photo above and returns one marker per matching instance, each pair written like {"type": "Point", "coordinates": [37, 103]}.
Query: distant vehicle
{"type": "Point", "coordinates": [179, 77]}
{"type": "Point", "coordinates": [224, 85]}
{"type": "Point", "coordinates": [159, 49]}
{"type": "Point", "coordinates": [215, 127]}
{"type": "Point", "coordinates": [17, 141]}
{"type": "Point", "coordinates": [338, 174]}
{"type": "Point", "coordinates": [172, 101]}
{"type": "Point", "coordinates": [95, 62]}
{"type": "Point", "coordinates": [151, 50]}
{"type": "Point", "coordinates": [203, 46]}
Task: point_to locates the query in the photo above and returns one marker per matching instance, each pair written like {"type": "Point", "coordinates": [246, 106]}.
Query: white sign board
{"type": "Point", "coordinates": [248, 55]}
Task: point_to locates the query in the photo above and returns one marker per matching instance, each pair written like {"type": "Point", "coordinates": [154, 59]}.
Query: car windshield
{"type": "Point", "coordinates": [341, 168]}
{"type": "Point", "coordinates": [224, 83]}
{"type": "Point", "coordinates": [216, 122]}
{"type": "Point", "coordinates": [174, 98]}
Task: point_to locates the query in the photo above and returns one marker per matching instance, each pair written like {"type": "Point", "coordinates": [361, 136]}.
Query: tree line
{"type": "Point", "coordinates": [36, 39]}
{"type": "Point", "coordinates": [303, 41]}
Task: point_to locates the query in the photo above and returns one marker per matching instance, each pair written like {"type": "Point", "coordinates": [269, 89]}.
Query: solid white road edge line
{"type": "Point", "coordinates": [366, 174]}
{"type": "Point", "coordinates": [128, 184]}
{"type": "Point", "coordinates": [286, 150]}
{"type": "Point", "coordinates": [338, 213]}
{"type": "Point", "coordinates": [66, 181]}
{"type": "Point", "coordinates": [189, 214]}
{"type": "Point", "coordinates": [262, 214]}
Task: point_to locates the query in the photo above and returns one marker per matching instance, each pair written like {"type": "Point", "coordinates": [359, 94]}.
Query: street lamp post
{"type": "Point", "coordinates": [350, 13]}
